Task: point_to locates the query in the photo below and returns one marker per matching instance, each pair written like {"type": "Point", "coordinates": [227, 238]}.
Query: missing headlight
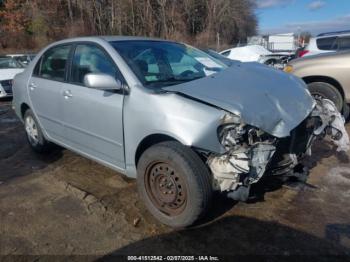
{"type": "Point", "coordinates": [231, 135]}
{"type": "Point", "coordinates": [248, 151]}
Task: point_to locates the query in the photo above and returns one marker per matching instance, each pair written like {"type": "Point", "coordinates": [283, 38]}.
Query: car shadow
{"type": "Point", "coordinates": [335, 232]}
{"type": "Point", "coordinates": [324, 149]}
{"type": "Point", "coordinates": [238, 235]}
{"type": "Point", "coordinates": [222, 204]}
{"type": "Point", "coordinates": [16, 157]}
{"type": "Point", "coordinates": [25, 161]}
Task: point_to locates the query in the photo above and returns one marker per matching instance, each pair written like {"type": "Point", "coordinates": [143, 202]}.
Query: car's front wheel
{"type": "Point", "coordinates": [35, 136]}
{"type": "Point", "coordinates": [174, 183]}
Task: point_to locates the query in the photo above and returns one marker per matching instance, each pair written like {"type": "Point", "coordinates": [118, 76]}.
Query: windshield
{"type": "Point", "coordinates": [160, 63]}
{"type": "Point", "coordinates": [8, 63]}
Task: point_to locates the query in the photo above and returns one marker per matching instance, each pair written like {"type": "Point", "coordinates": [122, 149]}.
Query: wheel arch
{"type": "Point", "coordinates": [24, 108]}
{"type": "Point", "coordinates": [325, 79]}
{"type": "Point", "coordinates": [149, 141]}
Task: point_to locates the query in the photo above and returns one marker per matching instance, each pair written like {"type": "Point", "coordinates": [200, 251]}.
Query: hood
{"type": "Point", "coordinates": [7, 74]}
{"type": "Point", "coordinates": [271, 100]}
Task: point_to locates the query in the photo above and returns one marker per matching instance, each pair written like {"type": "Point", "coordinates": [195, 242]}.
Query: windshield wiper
{"type": "Point", "coordinates": [171, 81]}
{"type": "Point", "coordinates": [174, 79]}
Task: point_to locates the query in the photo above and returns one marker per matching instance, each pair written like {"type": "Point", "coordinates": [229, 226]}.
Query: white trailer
{"type": "Point", "coordinates": [282, 42]}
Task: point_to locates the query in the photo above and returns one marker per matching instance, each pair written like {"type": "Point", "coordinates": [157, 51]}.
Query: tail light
{"type": "Point", "coordinates": [303, 52]}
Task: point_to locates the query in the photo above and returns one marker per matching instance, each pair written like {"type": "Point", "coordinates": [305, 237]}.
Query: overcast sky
{"type": "Point", "coordinates": [315, 16]}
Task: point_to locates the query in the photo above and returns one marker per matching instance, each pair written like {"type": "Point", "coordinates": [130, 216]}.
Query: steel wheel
{"type": "Point", "coordinates": [31, 130]}
{"type": "Point", "coordinates": [166, 188]}
{"type": "Point", "coordinates": [174, 183]}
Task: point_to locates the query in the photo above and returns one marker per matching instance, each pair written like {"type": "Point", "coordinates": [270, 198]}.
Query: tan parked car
{"type": "Point", "coordinates": [327, 76]}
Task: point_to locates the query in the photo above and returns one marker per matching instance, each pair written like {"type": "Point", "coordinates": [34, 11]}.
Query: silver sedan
{"type": "Point", "coordinates": [179, 120]}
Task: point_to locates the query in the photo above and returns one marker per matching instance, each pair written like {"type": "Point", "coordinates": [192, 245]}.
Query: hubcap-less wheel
{"type": "Point", "coordinates": [174, 183]}
{"type": "Point", "coordinates": [166, 188]}
{"type": "Point", "coordinates": [32, 130]}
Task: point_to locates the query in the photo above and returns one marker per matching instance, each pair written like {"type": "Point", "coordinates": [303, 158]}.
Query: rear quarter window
{"type": "Point", "coordinates": [327, 43]}
{"type": "Point", "coordinates": [344, 43]}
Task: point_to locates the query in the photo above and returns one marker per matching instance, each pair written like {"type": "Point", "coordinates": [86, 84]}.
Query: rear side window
{"type": "Point", "coordinates": [53, 63]}
{"type": "Point", "coordinates": [327, 43]}
{"type": "Point", "coordinates": [344, 43]}
{"type": "Point", "coordinates": [36, 71]}
{"type": "Point", "coordinates": [90, 59]}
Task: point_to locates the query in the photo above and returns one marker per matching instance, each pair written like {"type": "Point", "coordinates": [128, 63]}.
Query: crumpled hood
{"type": "Point", "coordinates": [266, 98]}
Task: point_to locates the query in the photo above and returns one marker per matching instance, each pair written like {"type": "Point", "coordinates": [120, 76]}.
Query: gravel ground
{"type": "Point", "coordinates": [64, 204]}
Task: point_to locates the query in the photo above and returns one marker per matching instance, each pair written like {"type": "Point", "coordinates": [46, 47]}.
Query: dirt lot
{"type": "Point", "coordinates": [64, 204]}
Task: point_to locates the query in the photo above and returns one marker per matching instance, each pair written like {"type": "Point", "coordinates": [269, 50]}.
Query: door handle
{"type": "Point", "coordinates": [32, 86]}
{"type": "Point", "coordinates": [67, 94]}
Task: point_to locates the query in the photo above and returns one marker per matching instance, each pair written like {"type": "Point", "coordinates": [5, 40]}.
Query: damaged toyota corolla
{"type": "Point", "coordinates": [180, 121]}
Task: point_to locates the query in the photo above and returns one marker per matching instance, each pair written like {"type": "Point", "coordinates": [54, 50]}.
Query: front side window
{"type": "Point", "coordinates": [53, 63]}
{"type": "Point", "coordinates": [90, 59]}
{"type": "Point", "coordinates": [327, 43]}
{"type": "Point", "coordinates": [161, 63]}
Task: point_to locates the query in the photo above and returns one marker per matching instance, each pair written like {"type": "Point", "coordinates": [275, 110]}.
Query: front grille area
{"type": "Point", "coordinates": [7, 86]}
{"type": "Point", "coordinates": [297, 143]}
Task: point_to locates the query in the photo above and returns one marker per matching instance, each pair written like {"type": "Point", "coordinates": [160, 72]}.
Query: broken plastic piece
{"type": "Point", "coordinates": [332, 124]}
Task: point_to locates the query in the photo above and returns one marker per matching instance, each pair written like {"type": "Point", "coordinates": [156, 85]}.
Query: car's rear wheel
{"type": "Point", "coordinates": [271, 62]}
{"type": "Point", "coordinates": [35, 136]}
{"type": "Point", "coordinates": [322, 90]}
{"type": "Point", "coordinates": [174, 183]}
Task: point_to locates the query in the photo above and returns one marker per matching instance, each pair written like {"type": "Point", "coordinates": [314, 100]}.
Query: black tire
{"type": "Point", "coordinates": [325, 90]}
{"type": "Point", "coordinates": [346, 112]}
{"type": "Point", "coordinates": [270, 62]}
{"type": "Point", "coordinates": [181, 166]}
{"type": "Point", "coordinates": [40, 144]}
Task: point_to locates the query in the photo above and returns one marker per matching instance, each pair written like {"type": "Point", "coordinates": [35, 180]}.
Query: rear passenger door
{"type": "Point", "coordinates": [45, 90]}
{"type": "Point", "coordinates": [93, 118]}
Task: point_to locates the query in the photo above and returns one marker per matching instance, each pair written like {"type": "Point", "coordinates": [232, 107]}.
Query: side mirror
{"type": "Point", "coordinates": [102, 82]}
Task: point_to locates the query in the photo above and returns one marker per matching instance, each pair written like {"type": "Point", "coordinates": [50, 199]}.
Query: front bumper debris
{"type": "Point", "coordinates": [238, 168]}
{"type": "Point", "coordinates": [247, 162]}
{"type": "Point", "coordinates": [333, 124]}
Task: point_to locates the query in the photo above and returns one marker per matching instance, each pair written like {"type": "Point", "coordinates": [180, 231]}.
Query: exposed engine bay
{"type": "Point", "coordinates": [252, 153]}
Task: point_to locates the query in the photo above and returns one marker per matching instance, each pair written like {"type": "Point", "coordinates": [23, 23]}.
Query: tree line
{"type": "Point", "coordinates": [31, 24]}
